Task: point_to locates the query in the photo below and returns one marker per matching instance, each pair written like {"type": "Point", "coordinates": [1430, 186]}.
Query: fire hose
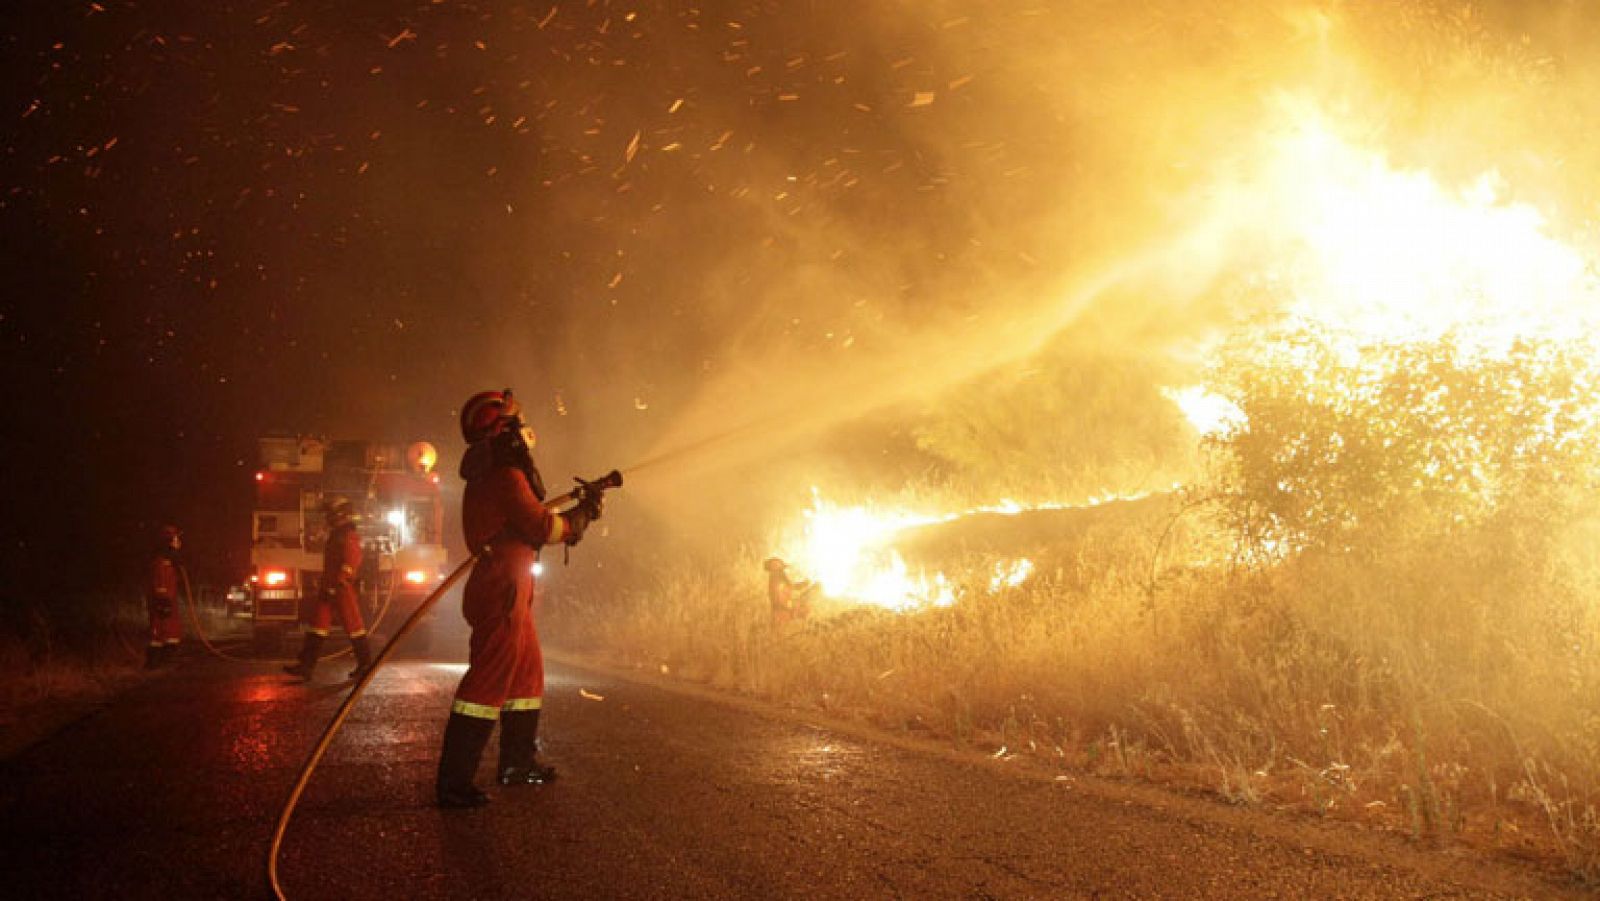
{"type": "Point", "coordinates": [584, 490]}
{"type": "Point", "coordinates": [377, 621]}
{"type": "Point", "coordinates": [194, 620]}
{"type": "Point", "coordinates": [339, 718]}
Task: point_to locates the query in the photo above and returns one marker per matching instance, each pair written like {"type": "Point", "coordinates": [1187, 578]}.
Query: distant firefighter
{"type": "Point", "coordinates": [506, 522]}
{"type": "Point", "coordinates": [341, 561]}
{"type": "Point", "coordinates": [791, 600]}
{"type": "Point", "coordinates": [161, 599]}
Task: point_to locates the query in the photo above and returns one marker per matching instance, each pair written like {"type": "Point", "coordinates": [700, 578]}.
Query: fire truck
{"type": "Point", "coordinates": [399, 517]}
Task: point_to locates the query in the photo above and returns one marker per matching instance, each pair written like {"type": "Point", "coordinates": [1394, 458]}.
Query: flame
{"type": "Point", "coordinates": [1210, 414]}
{"type": "Point", "coordinates": [1372, 253]}
{"type": "Point", "coordinates": [850, 551]}
{"type": "Point", "coordinates": [1010, 574]}
{"type": "Point", "coordinates": [1390, 254]}
{"type": "Point", "coordinates": [847, 550]}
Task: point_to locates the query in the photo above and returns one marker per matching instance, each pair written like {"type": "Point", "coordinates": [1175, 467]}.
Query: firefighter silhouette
{"type": "Point", "coordinates": [336, 595]}
{"type": "Point", "coordinates": [161, 599]}
{"type": "Point", "coordinates": [790, 600]}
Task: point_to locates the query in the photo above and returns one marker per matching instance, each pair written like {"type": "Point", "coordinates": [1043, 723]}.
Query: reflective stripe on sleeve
{"type": "Point", "coordinates": [523, 704]}
{"type": "Point", "coordinates": [320, 633]}
{"type": "Point", "coordinates": [558, 529]}
{"type": "Point", "coordinates": [359, 633]}
{"type": "Point", "coordinates": [480, 711]}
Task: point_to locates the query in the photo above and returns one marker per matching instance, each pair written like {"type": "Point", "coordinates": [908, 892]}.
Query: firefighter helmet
{"type": "Point", "coordinates": [486, 413]}
{"type": "Point", "coordinates": [339, 510]}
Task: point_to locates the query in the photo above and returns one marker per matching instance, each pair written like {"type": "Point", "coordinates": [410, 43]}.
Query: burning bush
{"type": "Point", "coordinates": [1351, 448]}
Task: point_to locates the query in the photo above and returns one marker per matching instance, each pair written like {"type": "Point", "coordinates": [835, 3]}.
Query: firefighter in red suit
{"type": "Point", "coordinates": [506, 521]}
{"type": "Point", "coordinates": [790, 600]}
{"type": "Point", "coordinates": [161, 599]}
{"type": "Point", "coordinates": [341, 560]}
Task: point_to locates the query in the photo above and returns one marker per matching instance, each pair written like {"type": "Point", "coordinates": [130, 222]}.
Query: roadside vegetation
{"type": "Point", "coordinates": [1378, 603]}
{"type": "Point", "coordinates": [56, 658]}
{"type": "Point", "coordinates": [59, 659]}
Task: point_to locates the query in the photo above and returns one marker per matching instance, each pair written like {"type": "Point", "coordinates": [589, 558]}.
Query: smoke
{"type": "Point", "coordinates": [1089, 180]}
{"type": "Point", "coordinates": [855, 212]}
{"type": "Point", "coordinates": [1000, 182]}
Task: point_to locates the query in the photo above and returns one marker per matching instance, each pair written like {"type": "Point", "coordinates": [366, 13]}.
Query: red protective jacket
{"type": "Point", "coordinates": [163, 579]}
{"type": "Point", "coordinates": [505, 522]}
{"type": "Point", "coordinates": [500, 505]}
{"type": "Point", "coordinates": [162, 602]}
{"type": "Point", "coordinates": [341, 559]}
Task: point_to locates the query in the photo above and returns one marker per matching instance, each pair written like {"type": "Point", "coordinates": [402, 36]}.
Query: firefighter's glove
{"type": "Point", "coordinates": [577, 520]}
{"type": "Point", "coordinates": [593, 503]}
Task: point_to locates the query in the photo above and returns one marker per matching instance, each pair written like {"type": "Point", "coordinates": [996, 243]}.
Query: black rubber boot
{"type": "Point", "coordinates": [363, 657]}
{"type": "Point", "coordinates": [308, 657]}
{"type": "Point", "coordinates": [464, 740]}
{"type": "Point", "coordinates": [519, 750]}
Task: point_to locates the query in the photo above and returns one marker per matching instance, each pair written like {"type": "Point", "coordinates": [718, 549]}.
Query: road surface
{"type": "Point", "coordinates": [173, 790]}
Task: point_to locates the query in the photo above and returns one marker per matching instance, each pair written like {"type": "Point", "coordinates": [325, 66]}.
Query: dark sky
{"type": "Point", "coordinates": [224, 218]}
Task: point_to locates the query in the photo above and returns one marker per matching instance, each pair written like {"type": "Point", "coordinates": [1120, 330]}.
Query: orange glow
{"type": "Point", "coordinates": [261, 476]}
{"type": "Point", "coordinates": [275, 577]}
{"type": "Point", "coordinates": [415, 577]}
{"type": "Point", "coordinates": [422, 457]}
{"type": "Point", "coordinates": [850, 552]}
{"type": "Point", "coordinates": [1343, 239]}
{"type": "Point", "coordinates": [1387, 253]}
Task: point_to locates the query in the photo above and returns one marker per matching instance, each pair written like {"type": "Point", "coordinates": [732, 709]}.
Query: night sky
{"type": "Point", "coordinates": [228, 218]}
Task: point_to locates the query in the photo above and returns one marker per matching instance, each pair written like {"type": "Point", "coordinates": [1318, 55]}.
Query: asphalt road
{"type": "Point", "coordinates": [172, 792]}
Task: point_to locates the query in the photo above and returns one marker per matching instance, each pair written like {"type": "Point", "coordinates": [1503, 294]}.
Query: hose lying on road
{"type": "Point", "coordinates": [376, 622]}
{"type": "Point", "coordinates": [194, 619]}
{"type": "Point", "coordinates": [339, 718]}
{"type": "Point", "coordinates": [200, 632]}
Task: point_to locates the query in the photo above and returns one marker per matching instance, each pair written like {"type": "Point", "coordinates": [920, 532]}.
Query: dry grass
{"type": "Point", "coordinates": [54, 660]}
{"type": "Point", "coordinates": [1439, 696]}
